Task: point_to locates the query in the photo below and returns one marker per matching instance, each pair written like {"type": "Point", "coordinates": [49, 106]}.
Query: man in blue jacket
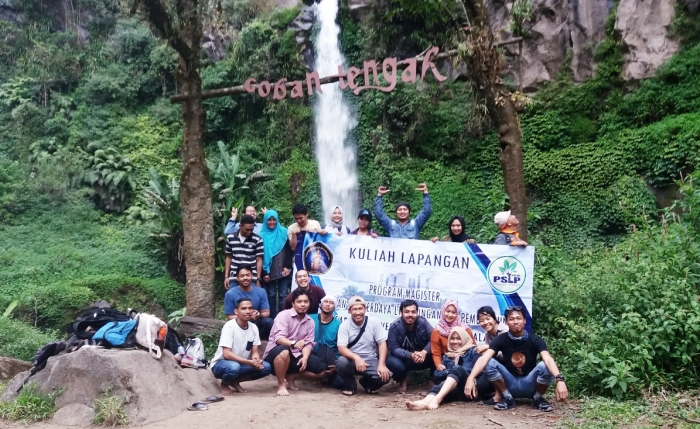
{"type": "Point", "coordinates": [409, 344]}
{"type": "Point", "coordinates": [403, 227]}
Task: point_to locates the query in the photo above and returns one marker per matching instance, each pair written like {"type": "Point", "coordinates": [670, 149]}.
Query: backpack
{"type": "Point", "coordinates": [195, 352]}
{"type": "Point", "coordinates": [117, 334]}
{"type": "Point", "coordinates": [91, 320]}
{"type": "Point", "coordinates": [151, 333]}
{"type": "Point", "coordinates": [173, 340]}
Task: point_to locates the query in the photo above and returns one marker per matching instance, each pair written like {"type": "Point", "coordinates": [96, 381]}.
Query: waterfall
{"type": "Point", "coordinates": [334, 120]}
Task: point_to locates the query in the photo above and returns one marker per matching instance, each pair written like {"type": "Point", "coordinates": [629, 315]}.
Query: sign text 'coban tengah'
{"type": "Point", "coordinates": [390, 72]}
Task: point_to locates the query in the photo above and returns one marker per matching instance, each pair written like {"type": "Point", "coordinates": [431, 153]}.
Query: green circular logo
{"type": "Point", "coordinates": [506, 274]}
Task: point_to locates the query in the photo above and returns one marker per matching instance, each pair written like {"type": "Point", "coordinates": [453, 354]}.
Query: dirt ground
{"type": "Point", "coordinates": [319, 407]}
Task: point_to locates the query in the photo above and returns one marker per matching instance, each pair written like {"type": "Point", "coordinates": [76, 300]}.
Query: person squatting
{"type": "Point", "coordinates": [306, 339]}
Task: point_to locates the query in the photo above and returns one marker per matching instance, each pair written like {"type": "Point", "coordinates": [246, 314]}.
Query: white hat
{"type": "Point", "coordinates": [501, 218]}
{"type": "Point", "coordinates": [328, 298]}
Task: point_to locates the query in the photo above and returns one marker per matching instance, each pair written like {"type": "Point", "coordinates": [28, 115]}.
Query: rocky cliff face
{"type": "Point", "coordinates": [577, 27]}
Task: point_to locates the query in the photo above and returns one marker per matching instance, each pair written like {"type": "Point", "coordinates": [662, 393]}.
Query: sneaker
{"type": "Point", "coordinates": [188, 362]}
{"type": "Point", "coordinates": [505, 404]}
{"type": "Point", "coordinates": [542, 404]}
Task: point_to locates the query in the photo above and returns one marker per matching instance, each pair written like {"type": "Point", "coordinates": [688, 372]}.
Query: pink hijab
{"type": "Point", "coordinates": [443, 326]}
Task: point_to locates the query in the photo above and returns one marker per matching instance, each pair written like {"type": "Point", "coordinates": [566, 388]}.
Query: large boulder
{"type": "Point", "coordinates": [154, 389]}
{"type": "Point", "coordinates": [643, 29]}
{"type": "Point", "coordinates": [10, 367]}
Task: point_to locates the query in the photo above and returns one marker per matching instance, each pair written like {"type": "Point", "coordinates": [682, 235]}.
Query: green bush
{"type": "Point", "coordinates": [21, 341]}
{"type": "Point", "coordinates": [30, 406]}
{"type": "Point", "coordinates": [628, 319]}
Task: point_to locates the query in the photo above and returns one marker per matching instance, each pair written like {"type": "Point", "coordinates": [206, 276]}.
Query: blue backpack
{"type": "Point", "coordinates": [117, 334]}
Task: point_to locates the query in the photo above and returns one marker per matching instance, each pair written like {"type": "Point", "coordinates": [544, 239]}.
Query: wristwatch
{"type": "Point", "coordinates": [560, 378]}
{"type": "Point", "coordinates": [294, 343]}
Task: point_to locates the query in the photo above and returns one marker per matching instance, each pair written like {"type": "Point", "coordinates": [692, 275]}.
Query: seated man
{"type": "Point", "coordinates": [315, 293]}
{"type": "Point", "coordinates": [291, 343]}
{"type": "Point", "coordinates": [257, 295]}
{"type": "Point", "coordinates": [409, 344]}
{"type": "Point", "coordinates": [363, 350]}
{"type": "Point", "coordinates": [326, 326]}
{"type": "Point", "coordinates": [238, 358]}
{"type": "Point", "coordinates": [519, 376]}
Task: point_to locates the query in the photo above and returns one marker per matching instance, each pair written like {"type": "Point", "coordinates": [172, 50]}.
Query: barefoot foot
{"type": "Point", "coordinates": [291, 383]}
{"type": "Point", "coordinates": [237, 387]}
{"type": "Point", "coordinates": [434, 405]}
{"type": "Point", "coordinates": [226, 390]}
{"type": "Point", "coordinates": [416, 405]}
{"type": "Point", "coordinates": [402, 387]}
{"type": "Point", "coordinates": [282, 391]}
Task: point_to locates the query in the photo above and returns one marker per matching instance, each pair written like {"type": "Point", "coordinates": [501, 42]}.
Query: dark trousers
{"type": "Point", "coordinates": [264, 325]}
{"type": "Point", "coordinates": [370, 378]}
{"type": "Point", "coordinates": [459, 374]}
{"type": "Point", "coordinates": [277, 291]}
{"type": "Point", "coordinates": [400, 367]}
{"type": "Point", "coordinates": [314, 364]}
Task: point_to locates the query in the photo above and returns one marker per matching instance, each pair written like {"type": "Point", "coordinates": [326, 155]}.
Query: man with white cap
{"type": "Point", "coordinates": [326, 325]}
{"type": "Point", "coordinates": [507, 230]}
{"type": "Point", "coordinates": [363, 350]}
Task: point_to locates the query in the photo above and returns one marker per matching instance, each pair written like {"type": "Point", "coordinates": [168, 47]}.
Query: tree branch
{"type": "Point", "coordinates": [162, 22]}
{"type": "Point", "coordinates": [235, 90]}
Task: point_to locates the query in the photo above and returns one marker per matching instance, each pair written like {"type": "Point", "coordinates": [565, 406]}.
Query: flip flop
{"type": "Point", "coordinates": [210, 399]}
{"type": "Point", "coordinates": [349, 392]}
{"type": "Point", "coordinates": [197, 407]}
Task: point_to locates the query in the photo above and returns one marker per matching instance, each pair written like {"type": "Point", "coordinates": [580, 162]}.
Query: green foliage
{"type": "Point", "coordinates": [30, 406]}
{"type": "Point", "coordinates": [109, 410]}
{"type": "Point", "coordinates": [645, 332]}
{"type": "Point", "coordinates": [21, 341]}
{"type": "Point", "coordinates": [110, 175]}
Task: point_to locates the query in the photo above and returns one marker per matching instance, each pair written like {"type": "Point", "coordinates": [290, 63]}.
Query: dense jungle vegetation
{"type": "Point", "coordinates": [89, 170]}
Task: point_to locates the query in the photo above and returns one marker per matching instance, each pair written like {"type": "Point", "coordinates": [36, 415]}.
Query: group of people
{"type": "Point", "coordinates": [314, 345]}
{"type": "Point", "coordinates": [306, 339]}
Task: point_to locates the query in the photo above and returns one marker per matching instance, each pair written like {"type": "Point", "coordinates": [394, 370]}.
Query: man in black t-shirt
{"type": "Point", "coordinates": [519, 375]}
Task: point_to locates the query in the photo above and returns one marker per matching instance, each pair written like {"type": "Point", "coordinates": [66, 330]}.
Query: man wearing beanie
{"type": "Point", "coordinates": [326, 325]}
{"type": "Point", "coordinates": [403, 226]}
{"type": "Point", "coordinates": [364, 223]}
{"type": "Point", "coordinates": [508, 230]}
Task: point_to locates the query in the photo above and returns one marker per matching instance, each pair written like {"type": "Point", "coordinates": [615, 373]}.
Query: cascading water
{"type": "Point", "coordinates": [334, 119]}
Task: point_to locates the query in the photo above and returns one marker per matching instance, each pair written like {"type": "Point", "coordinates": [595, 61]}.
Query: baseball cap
{"type": "Point", "coordinates": [501, 218]}
{"type": "Point", "coordinates": [356, 300]}
{"type": "Point", "coordinates": [365, 213]}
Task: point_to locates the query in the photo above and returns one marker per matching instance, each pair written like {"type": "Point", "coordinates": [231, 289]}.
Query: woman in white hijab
{"type": "Point", "coordinates": [337, 224]}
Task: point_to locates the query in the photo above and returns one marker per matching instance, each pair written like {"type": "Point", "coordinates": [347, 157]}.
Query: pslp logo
{"type": "Point", "coordinates": [506, 274]}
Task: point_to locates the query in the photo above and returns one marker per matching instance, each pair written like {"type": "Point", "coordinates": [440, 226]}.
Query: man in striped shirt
{"type": "Point", "coordinates": [243, 248]}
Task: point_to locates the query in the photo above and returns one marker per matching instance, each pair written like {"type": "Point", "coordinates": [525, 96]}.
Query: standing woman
{"type": "Point", "coordinates": [457, 234]}
{"type": "Point", "coordinates": [337, 224]}
{"type": "Point", "coordinates": [439, 338]}
{"type": "Point", "coordinates": [277, 261]}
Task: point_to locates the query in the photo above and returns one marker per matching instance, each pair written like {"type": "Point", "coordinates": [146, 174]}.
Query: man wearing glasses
{"type": "Point", "coordinates": [520, 375]}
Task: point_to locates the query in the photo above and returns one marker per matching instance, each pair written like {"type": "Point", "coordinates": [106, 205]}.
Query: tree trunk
{"type": "Point", "coordinates": [486, 66]}
{"type": "Point", "coordinates": [510, 152]}
{"type": "Point", "coordinates": [183, 32]}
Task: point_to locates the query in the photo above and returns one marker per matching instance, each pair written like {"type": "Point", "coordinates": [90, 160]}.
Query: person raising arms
{"type": "Point", "coordinates": [403, 226]}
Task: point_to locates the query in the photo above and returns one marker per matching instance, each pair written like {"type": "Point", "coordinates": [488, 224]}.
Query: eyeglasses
{"type": "Point", "coordinates": [514, 308]}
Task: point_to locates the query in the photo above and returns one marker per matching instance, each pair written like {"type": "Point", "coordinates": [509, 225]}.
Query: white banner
{"type": "Point", "coordinates": [385, 271]}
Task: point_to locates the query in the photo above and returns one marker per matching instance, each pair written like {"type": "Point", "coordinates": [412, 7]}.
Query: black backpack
{"type": "Point", "coordinates": [173, 340]}
{"type": "Point", "coordinates": [42, 356]}
{"type": "Point", "coordinates": [90, 321]}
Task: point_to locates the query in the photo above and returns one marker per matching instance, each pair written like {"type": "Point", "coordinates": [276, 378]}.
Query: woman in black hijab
{"type": "Point", "coordinates": [457, 234]}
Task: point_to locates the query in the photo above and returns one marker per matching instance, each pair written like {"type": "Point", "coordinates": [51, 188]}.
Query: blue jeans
{"type": "Point", "coordinates": [519, 387]}
{"type": "Point", "coordinates": [277, 291]}
{"type": "Point", "coordinates": [401, 367]}
{"type": "Point", "coordinates": [230, 371]}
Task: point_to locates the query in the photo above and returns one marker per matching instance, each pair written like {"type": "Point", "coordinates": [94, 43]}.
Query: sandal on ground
{"type": "Point", "coordinates": [349, 392]}
{"type": "Point", "coordinates": [197, 406]}
{"type": "Point", "coordinates": [210, 399]}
